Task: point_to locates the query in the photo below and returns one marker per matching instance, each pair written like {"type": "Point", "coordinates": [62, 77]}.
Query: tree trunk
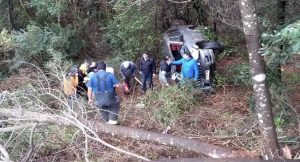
{"type": "Point", "coordinates": [270, 144]}
{"type": "Point", "coordinates": [281, 20]}
{"type": "Point", "coordinates": [138, 134]}
{"type": "Point", "coordinates": [10, 8]}
{"type": "Point", "coordinates": [281, 11]}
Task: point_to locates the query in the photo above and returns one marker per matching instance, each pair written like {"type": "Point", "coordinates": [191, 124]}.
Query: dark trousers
{"type": "Point", "coordinates": [110, 112]}
{"type": "Point", "coordinates": [147, 79]}
{"type": "Point", "coordinates": [127, 81]}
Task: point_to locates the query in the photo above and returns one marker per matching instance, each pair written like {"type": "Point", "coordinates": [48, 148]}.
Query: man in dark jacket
{"type": "Point", "coordinates": [147, 69]}
{"type": "Point", "coordinates": [127, 69]}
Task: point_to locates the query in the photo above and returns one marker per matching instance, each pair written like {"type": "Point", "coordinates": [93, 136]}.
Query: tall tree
{"type": "Point", "coordinates": [281, 17]}
{"type": "Point", "coordinates": [270, 144]}
{"type": "Point", "coordinates": [9, 9]}
{"type": "Point", "coordinates": [281, 13]}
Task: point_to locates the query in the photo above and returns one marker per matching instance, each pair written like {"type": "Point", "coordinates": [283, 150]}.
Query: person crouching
{"type": "Point", "coordinates": [127, 69]}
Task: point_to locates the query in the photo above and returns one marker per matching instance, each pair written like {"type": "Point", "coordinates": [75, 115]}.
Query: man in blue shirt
{"type": "Point", "coordinates": [189, 67]}
{"type": "Point", "coordinates": [101, 90]}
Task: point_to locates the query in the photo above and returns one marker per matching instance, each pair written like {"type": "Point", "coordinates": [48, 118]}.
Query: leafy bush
{"type": "Point", "coordinates": [6, 42]}
{"type": "Point", "coordinates": [240, 74]}
{"type": "Point", "coordinates": [6, 51]}
{"type": "Point", "coordinates": [170, 102]}
{"type": "Point", "coordinates": [281, 45]}
{"type": "Point", "coordinates": [38, 45]}
{"type": "Point", "coordinates": [47, 10]}
{"type": "Point", "coordinates": [219, 80]}
{"type": "Point", "coordinates": [132, 30]}
{"type": "Point", "coordinates": [207, 32]}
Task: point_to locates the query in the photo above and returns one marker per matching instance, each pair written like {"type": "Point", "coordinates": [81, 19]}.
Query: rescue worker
{"type": "Point", "coordinates": [101, 92]}
{"type": "Point", "coordinates": [147, 70]}
{"type": "Point", "coordinates": [127, 69]}
{"type": "Point", "coordinates": [190, 70]}
{"type": "Point", "coordinates": [90, 72]}
{"type": "Point", "coordinates": [70, 83]}
{"type": "Point", "coordinates": [165, 71]}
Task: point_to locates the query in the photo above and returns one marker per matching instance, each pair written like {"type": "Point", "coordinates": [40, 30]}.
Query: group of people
{"type": "Point", "coordinates": [100, 83]}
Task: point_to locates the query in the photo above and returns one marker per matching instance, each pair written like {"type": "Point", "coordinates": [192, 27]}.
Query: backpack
{"type": "Point", "coordinates": [105, 98]}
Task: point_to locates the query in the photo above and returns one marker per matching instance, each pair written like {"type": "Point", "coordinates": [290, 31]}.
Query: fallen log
{"type": "Point", "coordinates": [137, 134]}
{"type": "Point", "coordinates": [223, 160]}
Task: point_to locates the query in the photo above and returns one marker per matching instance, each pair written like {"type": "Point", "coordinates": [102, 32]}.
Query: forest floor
{"type": "Point", "coordinates": [223, 119]}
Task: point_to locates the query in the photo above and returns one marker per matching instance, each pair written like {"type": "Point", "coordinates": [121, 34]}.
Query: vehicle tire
{"type": "Point", "coordinates": [212, 72]}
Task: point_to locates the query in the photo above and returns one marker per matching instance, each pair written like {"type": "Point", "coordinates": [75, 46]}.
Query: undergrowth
{"type": "Point", "coordinates": [170, 102]}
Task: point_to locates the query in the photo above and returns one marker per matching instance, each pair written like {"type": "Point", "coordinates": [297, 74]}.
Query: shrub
{"type": "Point", "coordinates": [219, 80]}
{"type": "Point", "coordinates": [281, 45]}
{"type": "Point", "coordinates": [132, 30]}
{"type": "Point", "coordinates": [38, 45]}
{"type": "Point", "coordinates": [240, 74]}
{"type": "Point", "coordinates": [207, 32]}
{"type": "Point", "coordinates": [170, 102]}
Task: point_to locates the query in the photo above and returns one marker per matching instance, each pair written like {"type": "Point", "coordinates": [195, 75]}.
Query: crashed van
{"type": "Point", "coordinates": [187, 39]}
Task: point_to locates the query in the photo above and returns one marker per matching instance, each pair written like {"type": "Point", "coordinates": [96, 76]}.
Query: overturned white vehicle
{"type": "Point", "coordinates": [186, 39]}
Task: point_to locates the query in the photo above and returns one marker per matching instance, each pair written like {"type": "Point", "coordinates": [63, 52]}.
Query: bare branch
{"type": "Point", "coordinates": [31, 143]}
{"type": "Point", "coordinates": [189, 144]}
{"type": "Point", "coordinates": [14, 128]}
{"type": "Point", "coordinates": [180, 2]}
{"type": "Point", "coordinates": [5, 155]}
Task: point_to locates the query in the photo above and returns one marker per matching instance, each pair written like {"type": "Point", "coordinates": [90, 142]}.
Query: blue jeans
{"type": "Point", "coordinates": [147, 79]}
{"type": "Point", "coordinates": [110, 112]}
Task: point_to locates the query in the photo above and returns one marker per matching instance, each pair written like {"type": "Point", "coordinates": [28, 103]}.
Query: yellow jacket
{"type": "Point", "coordinates": [70, 85]}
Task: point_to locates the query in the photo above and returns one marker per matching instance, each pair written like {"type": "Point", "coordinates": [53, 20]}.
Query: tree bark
{"type": "Point", "coordinates": [165, 139]}
{"type": "Point", "coordinates": [270, 144]}
{"type": "Point", "coordinates": [10, 19]}
{"type": "Point", "coordinates": [281, 11]}
{"type": "Point", "coordinates": [281, 20]}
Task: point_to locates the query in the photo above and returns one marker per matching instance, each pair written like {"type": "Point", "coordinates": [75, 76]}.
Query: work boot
{"type": "Point", "coordinates": [112, 122]}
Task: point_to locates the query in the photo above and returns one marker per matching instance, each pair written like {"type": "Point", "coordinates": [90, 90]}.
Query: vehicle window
{"type": "Point", "coordinates": [184, 49]}
{"type": "Point", "coordinates": [175, 36]}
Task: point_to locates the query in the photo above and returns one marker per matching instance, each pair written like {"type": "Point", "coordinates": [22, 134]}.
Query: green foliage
{"type": "Point", "coordinates": [3, 17]}
{"type": "Point", "coordinates": [132, 30]}
{"type": "Point", "coordinates": [240, 74]}
{"type": "Point", "coordinates": [281, 45]}
{"type": "Point", "coordinates": [6, 51]}
{"type": "Point", "coordinates": [170, 102]}
{"type": "Point", "coordinates": [48, 9]}
{"type": "Point", "coordinates": [219, 80]}
{"type": "Point", "coordinates": [207, 32]}
{"type": "Point", "coordinates": [19, 141]}
{"type": "Point", "coordinates": [41, 44]}
{"type": "Point", "coordinates": [6, 42]}
{"type": "Point", "coordinates": [269, 15]}
{"type": "Point", "coordinates": [232, 46]}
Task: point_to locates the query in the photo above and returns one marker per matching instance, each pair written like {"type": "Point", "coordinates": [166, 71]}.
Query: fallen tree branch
{"type": "Point", "coordinates": [222, 160]}
{"type": "Point", "coordinates": [31, 144]}
{"type": "Point", "coordinates": [62, 121]}
{"type": "Point", "coordinates": [14, 128]}
{"type": "Point", "coordinates": [180, 2]}
{"type": "Point", "coordinates": [5, 156]}
{"type": "Point", "coordinates": [165, 139]}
